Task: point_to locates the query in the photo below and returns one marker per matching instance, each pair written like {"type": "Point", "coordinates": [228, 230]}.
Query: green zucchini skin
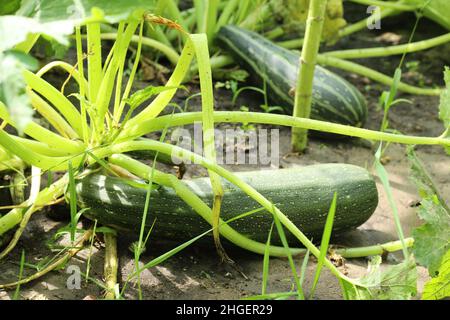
{"type": "Point", "coordinates": [334, 98]}
{"type": "Point", "coordinates": [303, 194]}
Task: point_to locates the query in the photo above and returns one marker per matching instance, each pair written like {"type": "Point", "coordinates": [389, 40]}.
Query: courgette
{"type": "Point", "coordinates": [334, 99]}
{"type": "Point", "coordinates": [303, 194]}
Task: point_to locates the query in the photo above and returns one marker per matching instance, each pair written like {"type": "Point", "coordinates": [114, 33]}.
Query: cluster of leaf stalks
{"type": "Point", "coordinates": [209, 16]}
{"type": "Point", "coordinates": [88, 135]}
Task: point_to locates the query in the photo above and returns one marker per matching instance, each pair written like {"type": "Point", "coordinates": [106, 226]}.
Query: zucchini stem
{"type": "Point", "coordinates": [388, 51]}
{"type": "Point", "coordinates": [327, 60]}
{"type": "Point", "coordinates": [181, 119]}
{"type": "Point", "coordinates": [307, 63]}
{"type": "Point", "coordinates": [111, 265]}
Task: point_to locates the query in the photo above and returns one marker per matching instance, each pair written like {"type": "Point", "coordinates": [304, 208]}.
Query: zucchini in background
{"type": "Point", "coordinates": [334, 98]}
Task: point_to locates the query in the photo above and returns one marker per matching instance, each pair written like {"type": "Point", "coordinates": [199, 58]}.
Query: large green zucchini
{"type": "Point", "coordinates": [334, 99]}
{"type": "Point", "coordinates": [303, 194]}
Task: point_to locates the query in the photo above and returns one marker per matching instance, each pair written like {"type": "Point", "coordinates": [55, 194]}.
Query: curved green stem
{"type": "Point", "coordinates": [71, 70]}
{"type": "Point", "coordinates": [47, 195]}
{"type": "Point", "coordinates": [161, 101]}
{"type": "Point", "coordinates": [60, 102]}
{"type": "Point", "coordinates": [379, 249]}
{"type": "Point", "coordinates": [42, 134]}
{"type": "Point", "coordinates": [250, 191]}
{"type": "Point", "coordinates": [374, 75]}
{"type": "Point", "coordinates": [118, 113]}
{"type": "Point", "coordinates": [169, 52]}
{"type": "Point", "coordinates": [143, 171]}
{"type": "Point", "coordinates": [41, 147]}
{"type": "Point", "coordinates": [92, 56]}
{"type": "Point", "coordinates": [52, 116]}
{"type": "Point", "coordinates": [11, 164]}
{"type": "Point", "coordinates": [33, 158]}
{"type": "Point", "coordinates": [181, 119]}
{"type": "Point", "coordinates": [362, 24]}
{"type": "Point", "coordinates": [388, 51]}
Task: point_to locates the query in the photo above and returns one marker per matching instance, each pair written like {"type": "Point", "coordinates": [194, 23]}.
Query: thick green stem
{"type": "Point", "coordinates": [29, 156]}
{"type": "Point", "coordinates": [304, 88]}
{"type": "Point", "coordinates": [181, 119]}
{"type": "Point", "coordinates": [211, 19]}
{"type": "Point", "coordinates": [379, 249]}
{"type": "Point", "coordinates": [56, 98]}
{"type": "Point", "coordinates": [52, 116]}
{"type": "Point", "coordinates": [47, 195]}
{"type": "Point", "coordinates": [94, 79]}
{"type": "Point", "coordinates": [227, 13]}
{"type": "Point", "coordinates": [111, 265]}
{"type": "Point", "coordinates": [374, 75]}
{"type": "Point", "coordinates": [94, 58]}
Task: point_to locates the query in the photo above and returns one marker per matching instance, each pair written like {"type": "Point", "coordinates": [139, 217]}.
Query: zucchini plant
{"type": "Point", "coordinates": [103, 125]}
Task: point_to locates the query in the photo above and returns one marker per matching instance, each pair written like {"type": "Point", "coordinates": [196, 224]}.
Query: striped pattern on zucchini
{"type": "Point", "coordinates": [334, 98]}
{"type": "Point", "coordinates": [302, 194]}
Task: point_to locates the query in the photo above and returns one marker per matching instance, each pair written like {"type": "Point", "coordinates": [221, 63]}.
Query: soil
{"type": "Point", "coordinates": [196, 273]}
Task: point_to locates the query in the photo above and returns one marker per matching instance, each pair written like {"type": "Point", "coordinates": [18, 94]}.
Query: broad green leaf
{"type": "Point", "coordinates": [9, 7]}
{"type": "Point", "coordinates": [12, 87]}
{"type": "Point", "coordinates": [82, 10]}
{"type": "Point", "coordinates": [439, 288]}
{"type": "Point", "coordinates": [57, 19]}
{"type": "Point", "coordinates": [436, 10]}
{"type": "Point", "coordinates": [432, 239]}
{"type": "Point", "coordinates": [11, 34]}
{"type": "Point", "coordinates": [398, 282]}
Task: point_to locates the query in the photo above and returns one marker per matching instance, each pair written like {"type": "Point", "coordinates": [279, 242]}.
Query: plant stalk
{"type": "Point", "coordinates": [111, 265]}
{"type": "Point", "coordinates": [304, 88]}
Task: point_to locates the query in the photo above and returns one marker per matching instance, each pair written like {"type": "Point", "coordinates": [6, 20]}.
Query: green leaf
{"type": "Point", "coordinates": [398, 282]}
{"type": "Point", "coordinates": [439, 288]}
{"type": "Point", "coordinates": [383, 175]}
{"type": "Point", "coordinates": [57, 19]}
{"type": "Point", "coordinates": [82, 10]}
{"type": "Point", "coordinates": [324, 244]}
{"type": "Point", "coordinates": [12, 87]}
{"type": "Point", "coordinates": [9, 6]}
{"type": "Point", "coordinates": [437, 10]}
{"type": "Point", "coordinates": [11, 35]}
{"type": "Point", "coordinates": [432, 238]}
{"type": "Point", "coordinates": [142, 95]}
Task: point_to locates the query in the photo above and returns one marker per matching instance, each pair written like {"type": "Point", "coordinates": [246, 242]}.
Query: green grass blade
{"type": "Point", "coordinates": [304, 267]}
{"type": "Point", "coordinates": [283, 239]}
{"type": "Point", "coordinates": [72, 203]}
{"type": "Point", "coordinates": [325, 243]}
{"type": "Point", "coordinates": [22, 263]}
{"type": "Point", "coordinates": [266, 261]}
{"type": "Point", "coordinates": [383, 175]}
